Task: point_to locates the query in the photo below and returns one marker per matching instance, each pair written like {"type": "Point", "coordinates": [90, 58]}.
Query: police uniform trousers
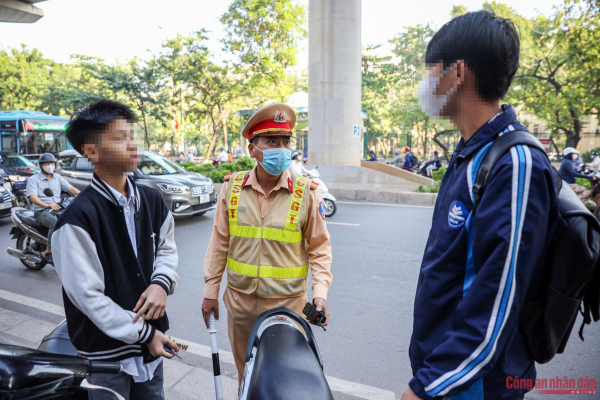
{"type": "Point", "coordinates": [242, 311]}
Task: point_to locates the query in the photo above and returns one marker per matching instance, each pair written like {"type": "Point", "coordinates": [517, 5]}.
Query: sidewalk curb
{"type": "Point", "coordinates": [377, 196]}
{"type": "Point", "coordinates": [385, 196]}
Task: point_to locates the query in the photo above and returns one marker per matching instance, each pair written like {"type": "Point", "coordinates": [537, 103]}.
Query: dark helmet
{"type": "Point", "coordinates": [296, 153]}
{"type": "Point", "coordinates": [47, 157]}
{"type": "Point", "coordinates": [435, 153]}
{"type": "Point", "coordinates": [594, 154]}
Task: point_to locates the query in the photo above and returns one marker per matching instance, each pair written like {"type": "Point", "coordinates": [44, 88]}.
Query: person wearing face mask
{"type": "Point", "coordinates": [269, 227]}
{"type": "Point", "coordinates": [297, 165]}
{"type": "Point", "coordinates": [479, 267]}
{"type": "Point", "coordinates": [45, 208]}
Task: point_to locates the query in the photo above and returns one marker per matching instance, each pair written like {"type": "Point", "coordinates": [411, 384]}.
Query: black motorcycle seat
{"type": "Point", "coordinates": [58, 341]}
{"type": "Point", "coordinates": [28, 219]}
{"type": "Point", "coordinates": [286, 368]}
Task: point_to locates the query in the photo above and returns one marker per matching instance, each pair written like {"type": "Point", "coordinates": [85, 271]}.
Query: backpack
{"type": "Point", "coordinates": [414, 160]}
{"type": "Point", "coordinates": [571, 280]}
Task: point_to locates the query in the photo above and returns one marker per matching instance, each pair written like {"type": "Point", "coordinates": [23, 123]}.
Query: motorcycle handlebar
{"type": "Point", "coordinates": [104, 367]}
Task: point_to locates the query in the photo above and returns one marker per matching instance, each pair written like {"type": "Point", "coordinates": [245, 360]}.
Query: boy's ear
{"type": "Point", "coordinates": [91, 152]}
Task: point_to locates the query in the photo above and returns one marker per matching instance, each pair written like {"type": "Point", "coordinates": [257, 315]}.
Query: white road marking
{"type": "Point", "coordinates": [336, 384]}
{"type": "Point", "coordinates": [35, 303]}
{"type": "Point", "coordinates": [381, 204]}
{"type": "Point", "coordinates": [341, 223]}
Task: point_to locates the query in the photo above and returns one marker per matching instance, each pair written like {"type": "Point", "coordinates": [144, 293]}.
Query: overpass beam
{"type": "Point", "coordinates": [19, 12]}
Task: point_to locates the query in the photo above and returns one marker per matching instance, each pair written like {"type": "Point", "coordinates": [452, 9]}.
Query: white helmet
{"type": "Point", "coordinates": [372, 149]}
{"type": "Point", "coordinates": [569, 150]}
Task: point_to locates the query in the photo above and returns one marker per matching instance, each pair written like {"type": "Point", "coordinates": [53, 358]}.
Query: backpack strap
{"type": "Point", "coordinates": [498, 148]}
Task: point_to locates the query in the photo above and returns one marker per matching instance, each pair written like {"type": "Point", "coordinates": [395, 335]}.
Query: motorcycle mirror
{"type": "Point", "coordinates": [48, 192]}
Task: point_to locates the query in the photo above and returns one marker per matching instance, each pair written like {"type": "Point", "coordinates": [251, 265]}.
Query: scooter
{"type": "Point", "coordinates": [31, 236]}
{"type": "Point", "coordinates": [282, 361]}
{"type": "Point", "coordinates": [329, 206]}
{"type": "Point", "coordinates": [17, 187]}
{"type": "Point", "coordinates": [52, 371]}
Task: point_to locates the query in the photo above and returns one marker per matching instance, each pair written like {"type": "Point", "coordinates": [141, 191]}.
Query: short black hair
{"type": "Point", "coordinates": [488, 44]}
{"type": "Point", "coordinates": [84, 126]}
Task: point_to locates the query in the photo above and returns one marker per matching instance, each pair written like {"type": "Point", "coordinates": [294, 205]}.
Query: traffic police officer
{"type": "Point", "coordinates": [269, 227]}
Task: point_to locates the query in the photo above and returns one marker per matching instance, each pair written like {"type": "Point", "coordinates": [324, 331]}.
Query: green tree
{"type": "Point", "coordinates": [23, 77]}
{"type": "Point", "coordinates": [458, 11]}
{"type": "Point", "coordinates": [379, 83]}
{"type": "Point", "coordinates": [263, 36]}
{"type": "Point", "coordinates": [138, 83]}
{"type": "Point", "coordinates": [559, 77]}
{"type": "Point", "coordinates": [207, 88]}
{"type": "Point", "coordinates": [69, 88]}
{"type": "Point", "coordinates": [410, 46]}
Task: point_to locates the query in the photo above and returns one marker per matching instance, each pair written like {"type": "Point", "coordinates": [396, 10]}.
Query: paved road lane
{"type": "Point", "coordinates": [377, 253]}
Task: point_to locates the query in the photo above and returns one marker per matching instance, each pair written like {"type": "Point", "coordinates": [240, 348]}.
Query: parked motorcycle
{"type": "Point", "coordinates": [282, 361]}
{"type": "Point", "coordinates": [31, 236]}
{"type": "Point", "coordinates": [17, 187]}
{"type": "Point", "coordinates": [52, 371]}
{"type": "Point", "coordinates": [329, 206]}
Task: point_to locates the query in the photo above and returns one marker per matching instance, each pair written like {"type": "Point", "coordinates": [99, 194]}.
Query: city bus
{"type": "Point", "coordinates": [28, 132]}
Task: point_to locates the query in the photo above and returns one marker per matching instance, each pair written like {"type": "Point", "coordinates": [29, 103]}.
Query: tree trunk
{"type": "Point", "coordinates": [213, 139]}
{"type": "Point", "coordinates": [145, 128]}
{"type": "Point", "coordinates": [555, 146]}
{"type": "Point", "coordinates": [441, 144]}
{"type": "Point", "coordinates": [172, 141]}
{"type": "Point", "coordinates": [577, 130]}
{"type": "Point", "coordinates": [226, 144]}
{"type": "Point", "coordinates": [211, 146]}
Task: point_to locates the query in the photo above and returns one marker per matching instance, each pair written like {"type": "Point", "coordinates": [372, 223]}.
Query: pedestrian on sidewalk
{"type": "Point", "coordinates": [479, 267]}
{"type": "Point", "coordinates": [248, 235]}
{"type": "Point", "coordinates": [115, 254]}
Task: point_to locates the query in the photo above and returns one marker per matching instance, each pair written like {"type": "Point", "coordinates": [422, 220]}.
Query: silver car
{"type": "Point", "coordinates": [184, 192]}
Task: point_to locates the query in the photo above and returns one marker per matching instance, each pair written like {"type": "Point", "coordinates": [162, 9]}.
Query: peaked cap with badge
{"type": "Point", "coordinates": [277, 119]}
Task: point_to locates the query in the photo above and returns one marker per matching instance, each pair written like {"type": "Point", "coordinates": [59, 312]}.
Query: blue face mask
{"type": "Point", "coordinates": [276, 161]}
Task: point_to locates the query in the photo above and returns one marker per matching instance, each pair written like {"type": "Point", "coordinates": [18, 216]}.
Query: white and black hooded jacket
{"type": "Point", "coordinates": [101, 276]}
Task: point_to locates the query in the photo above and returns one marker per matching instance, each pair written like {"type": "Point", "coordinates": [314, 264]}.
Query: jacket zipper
{"type": "Point", "coordinates": [454, 160]}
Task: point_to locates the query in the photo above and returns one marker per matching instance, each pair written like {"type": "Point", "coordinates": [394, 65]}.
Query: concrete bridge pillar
{"type": "Point", "coordinates": [334, 82]}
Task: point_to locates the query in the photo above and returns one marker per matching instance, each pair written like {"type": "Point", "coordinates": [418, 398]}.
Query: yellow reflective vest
{"type": "Point", "coordinates": [267, 256]}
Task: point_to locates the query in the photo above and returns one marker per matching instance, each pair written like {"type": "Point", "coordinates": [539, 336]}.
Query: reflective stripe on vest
{"type": "Point", "coordinates": [267, 272]}
{"type": "Point", "coordinates": [288, 234]}
{"type": "Point", "coordinates": [278, 266]}
{"type": "Point", "coordinates": [295, 203]}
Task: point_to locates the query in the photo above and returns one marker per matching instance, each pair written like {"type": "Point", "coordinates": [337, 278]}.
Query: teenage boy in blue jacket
{"type": "Point", "coordinates": [478, 268]}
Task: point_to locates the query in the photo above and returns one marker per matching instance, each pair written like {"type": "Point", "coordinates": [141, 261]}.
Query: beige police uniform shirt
{"type": "Point", "coordinates": [315, 232]}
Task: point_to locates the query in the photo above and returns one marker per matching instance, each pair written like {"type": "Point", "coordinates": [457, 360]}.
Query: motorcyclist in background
{"type": "Point", "coordinates": [372, 155]}
{"type": "Point", "coordinates": [578, 163]}
{"type": "Point", "coordinates": [398, 160]}
{"type": "Point", "coordinates": [297, 165]}
{"type": "Point", "coordinates": [595, 164]}
{"type": "Point", "coordinates": [408, 161]}
{"type": "Point", "coordinates": [567, 169]}
{"type": "Point", "coordinates": [46, 209]}
{"type": "Point", "coordinates": [434, 164]}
